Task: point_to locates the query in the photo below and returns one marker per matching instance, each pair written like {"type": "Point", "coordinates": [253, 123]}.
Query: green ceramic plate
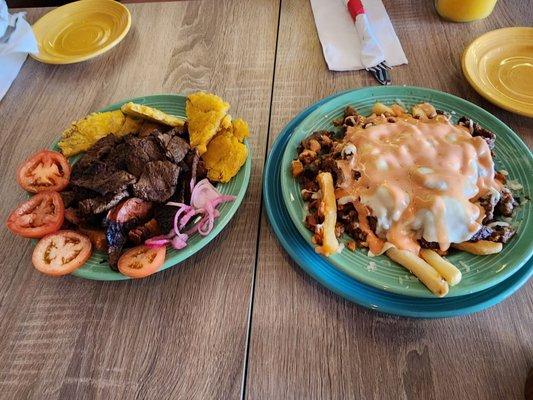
{"type": "Point", "coordinates": [479, 272]}
{"type": "Point", "coordinates": [97, 267]}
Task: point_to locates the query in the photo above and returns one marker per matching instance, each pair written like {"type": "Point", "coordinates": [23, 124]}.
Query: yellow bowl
{"type": "Point", "coordinates": [81, 30]}
{"type": "Point", "coordinates": [499, 65]}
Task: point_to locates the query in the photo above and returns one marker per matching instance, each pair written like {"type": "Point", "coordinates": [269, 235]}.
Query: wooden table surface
{"type": "Point", "coordinates": [239, 320]}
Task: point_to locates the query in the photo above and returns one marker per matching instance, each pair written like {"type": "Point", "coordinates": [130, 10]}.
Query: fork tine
{"type": "Point", "coordinates": [381, 73]}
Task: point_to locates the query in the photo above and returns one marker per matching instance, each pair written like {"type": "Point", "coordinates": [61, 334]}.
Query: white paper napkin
{"type": "Point", "coordinates": [16, 41]}
{"type": "Point", "coordinates": [340, 42]}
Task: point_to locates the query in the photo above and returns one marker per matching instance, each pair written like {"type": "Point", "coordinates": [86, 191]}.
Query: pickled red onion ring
{"type": "Point", "coordinates": [204, 201]}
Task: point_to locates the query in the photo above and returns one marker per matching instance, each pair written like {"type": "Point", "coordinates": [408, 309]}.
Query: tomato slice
{"type": "Point", "coordinates": [42, 214]}
{"type": "Point", "coordinates": [44, 171]}
{"type": "Point", "coordinates": [61, 253]}
{"type": "Point", "coordinates": [141, 261]}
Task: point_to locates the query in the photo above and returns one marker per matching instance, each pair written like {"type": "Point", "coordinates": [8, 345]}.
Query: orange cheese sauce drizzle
{"type": "Point", "coordinates": [420, 179]}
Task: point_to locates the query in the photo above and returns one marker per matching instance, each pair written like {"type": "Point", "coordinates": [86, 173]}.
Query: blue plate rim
{"type": "Point", "coordinates": [367, 296]}
{"type": "Point", "coordinates": [324, 109]}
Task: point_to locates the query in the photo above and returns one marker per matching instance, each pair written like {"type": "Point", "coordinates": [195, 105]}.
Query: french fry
{"type": "Point", "coordinates": [480, 248]}
{"type": "Point", "coordinates": [424, 110]}
{"type": "Point", "coordinates": [448, 271]}
{"type": "Point", "coordinates": [329, 209]}
{"type": "Point", "coordinates": [380, 109]}
{"type": "Point", "coordinates": [416, 111]}
{"type": "Point", "coordinates": [421, 269]}
{"type": "Point", "coordinates": [397, 110]}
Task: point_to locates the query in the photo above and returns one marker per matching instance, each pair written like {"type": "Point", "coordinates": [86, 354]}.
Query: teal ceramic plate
{"type": "Point", "coordinates": [351, 289]}
{"type": "Point", "coordinates": [479, 272]}
{"type": "Point", "coordinates": [97, 267]}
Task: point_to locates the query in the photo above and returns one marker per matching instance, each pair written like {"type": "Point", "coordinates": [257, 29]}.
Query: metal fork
{"type": "Point", "coordinates": [381, 72]}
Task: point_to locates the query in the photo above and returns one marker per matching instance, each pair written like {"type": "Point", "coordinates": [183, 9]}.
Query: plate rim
{"type": "Point", "coordinates": [363, 277]}
{"type": "Point", "coordinates": [91, 55]}
{"type": "Point", "coordinates": [246, 169]}
{"type": "Point", "coordinates": [470, 74]}
{"type": "Point", "coordinates": [358, 297]}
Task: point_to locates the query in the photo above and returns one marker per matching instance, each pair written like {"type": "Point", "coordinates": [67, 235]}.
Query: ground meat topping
{"type": "Point", "coordinates": [506, 204]}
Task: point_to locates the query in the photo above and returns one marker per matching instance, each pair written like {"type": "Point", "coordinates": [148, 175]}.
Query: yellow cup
{"type": "Point", "coordinates": [464, 10]}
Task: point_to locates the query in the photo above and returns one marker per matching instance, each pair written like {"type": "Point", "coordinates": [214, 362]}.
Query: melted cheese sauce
{"type": "Point", "coordinates": [420, 179]}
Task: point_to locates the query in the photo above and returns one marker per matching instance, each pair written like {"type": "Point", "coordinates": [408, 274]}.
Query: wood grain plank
{"type": "Point", "coordinates": [307, 342]}
{"type": "Point", "coordinates": [181, 333]}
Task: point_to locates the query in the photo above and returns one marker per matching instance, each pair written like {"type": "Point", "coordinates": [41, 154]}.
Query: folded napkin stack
{"type": "Point", "coordinates": [16, 41]}
{"type": "Point", "coordinates": [340, 41]}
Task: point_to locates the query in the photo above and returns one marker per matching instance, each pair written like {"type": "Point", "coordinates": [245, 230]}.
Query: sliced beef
{"type": "Point", "coordinates": [87, 168]}
{"type": "Point", "coordinates": [488, 136]}
{"type": "Point", "coordinates": [496, 232]}
{"type": "Point", "coordinates": [139, 234]}
{"type": "Point", "coordinates": [428, 245]}
{"type": "Point", "coordinates": [140, 151]}
{"type": "Point", "coordinates": [149, 127]}
{"type": "Point", "coordinates": [69, 197]}
{"type": "Point", "coordinates": [73, 216]}
{"type": "Point", "coordinates": [191, 166]}
{"type": "Point", "coordinates": [482, 234]}
{"type": "Point", "coordinates": [157, 182]}
{"type": "Point", "coordinates": [467, 123]}
{"type": "Point", "coordinates": [488, 203]}
{"type": "Point", "coordinates": [164, 215]}
{"type": "Point", "coordinates": [502, 233]}
{"type": "Point", "coordinates": [103, 147]}
{"type": "Point", "coordinates": [119, 221]}
{"type": "Point", "coordinates": [196, 165]}
{"type": "Point", "coordinates": [99, 204]}
{"type": "Point", "coordinates": [97, 238]}
{"type": "Point", "coordinates": [175, 147]}
{"type": "Point", "coordinates": [73, 194]}
{"type": "Point", "coordinates": [94, 161]}
{"type": "Point", "coordinates": [106, 181]}
{"type": "Point", "coordinates": [506, 204]}
{"type": "Point", "coordinates": [117, 157]}
{"type": "Point", "coordinates": [477, 130]}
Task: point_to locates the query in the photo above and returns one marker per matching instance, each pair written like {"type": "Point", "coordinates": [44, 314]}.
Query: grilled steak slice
{"type": "Point", "coordinates": [496, 232]}
{"type": "Point", "coordinates": [477, 130]}
{"type": "Point", "coordinates": [192, 165]}
{"type": "Point", "coordinates": [157, 182]}
{"type": "Point", "coordinates": [69, 197]}
{"type": "Point", "coordinates": [119, 221]}
{"type": "Point", "coordinates": [99, 204]}
{"type": "Point", "coordinates": [105, 181]}
{"type": "Point", "coordinates": [103, 147]}
{"type": "Point", "coordinates": [164, 215]}
{"type": "Point", "coordinates": [73, 216]}
{"type": "Point", "coordinates": [175, 147]}
{"type": "Point", "coordinates": [149, 127]}
{"type": "Point", "coordinates": [87, 167]}
{"type": "Point", "coordinates": [96, 236]}
{"type": "Point", "coordinates": [145, 231]}
{"type": "Point", "coordinates": [428, 245]}
{"type": "Point", "coordinates": [506, 204]}
{"type": "Point", "coordinates": [488, 203]}
{"type": "Point", "coordinates": [140, 151]}
{"type": "Point", "coordinates": [502, 233]}
{"type": "Point", "coordinates": [483, 233]}
{"type": "Point", "coordinates": [117, 157]}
